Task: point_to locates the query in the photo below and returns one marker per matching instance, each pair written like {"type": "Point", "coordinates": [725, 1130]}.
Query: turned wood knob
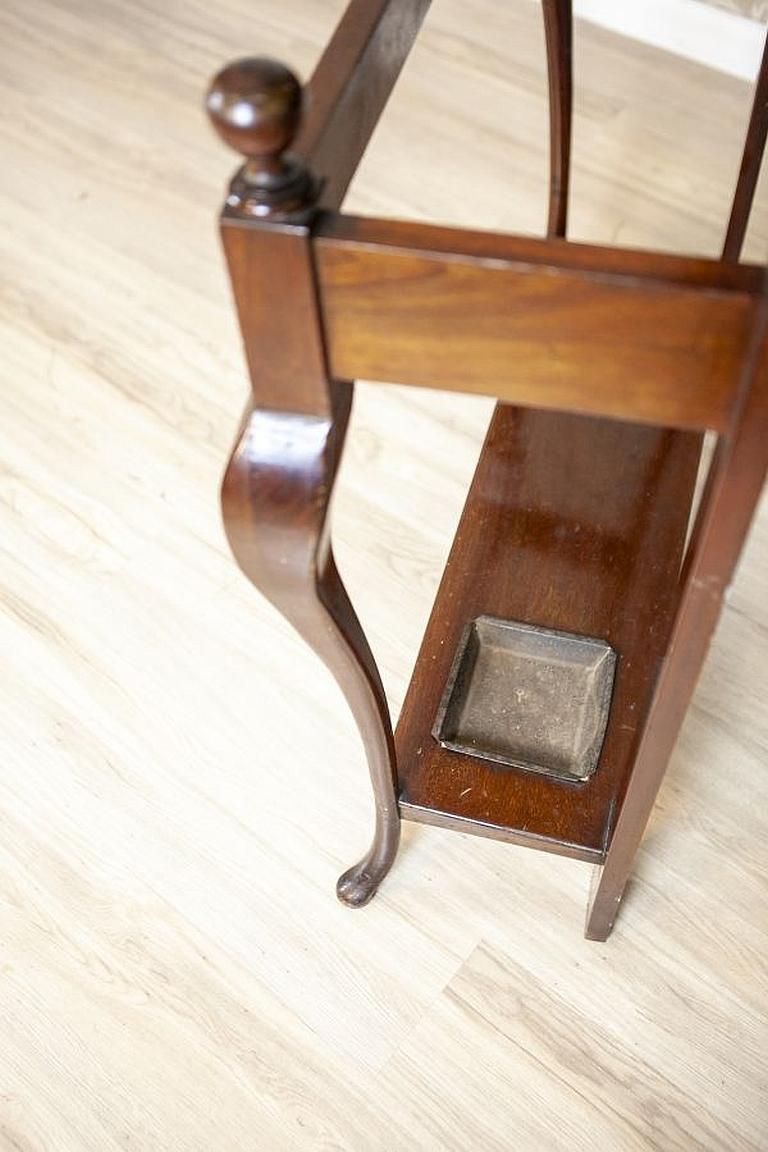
{"type": "Point", "coordinates": [255, 106]}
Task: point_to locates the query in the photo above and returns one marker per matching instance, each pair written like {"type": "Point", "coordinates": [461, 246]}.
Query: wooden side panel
{"type": "Point", "coordinates": [653, 340]}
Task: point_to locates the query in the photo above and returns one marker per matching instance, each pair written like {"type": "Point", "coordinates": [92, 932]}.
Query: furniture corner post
{"type": "Point", "coordinates": [278, 485]}
{"type": "Point", "coordinates": [734, 485]}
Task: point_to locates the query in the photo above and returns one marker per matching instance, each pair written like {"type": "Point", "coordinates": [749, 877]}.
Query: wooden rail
{"type": "Point", "coordinates": [638, 336]}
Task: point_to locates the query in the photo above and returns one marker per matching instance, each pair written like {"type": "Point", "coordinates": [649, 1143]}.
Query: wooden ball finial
{"type": "Point", "coordinates": [255, 106]}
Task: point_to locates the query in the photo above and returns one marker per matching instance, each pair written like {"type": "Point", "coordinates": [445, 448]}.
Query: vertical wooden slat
{"type": "Point", "coordinates": [751, 159]}
{"type": "Point", "coordinates": [558, 30]}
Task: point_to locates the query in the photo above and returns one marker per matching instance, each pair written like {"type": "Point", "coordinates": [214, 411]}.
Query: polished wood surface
{"type": "Point", "coordinates": [255, 107]}
{"type": "Point", "coordinates": [275, 501]}
{"type": "Point", "coordinates": [255, 104]}
{"type": "Point", "coordinates": [734, 485]}
{"type": "Point", "coordinates": [280, 477]}
{"type": "Point", "coordinates": [267, 328]}
{"type": "Point", "coordinates": [176, 973]}
{"type": "Point", "coordinates": [558, 29]}
{"type": "Point", "coordinates": [348, 232]}
{"type": "Point", "coordinates": [626, 335]}
{"type": "Point", "coordinates": [350, 86]}
{"type": "Point", "coordinates": [751, 161]}
{"type": "Point", "coordinates": [572, 524]}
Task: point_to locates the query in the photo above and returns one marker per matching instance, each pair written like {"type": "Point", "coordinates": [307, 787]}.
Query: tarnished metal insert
{"type": "Point", "coordinates": [528, 697]}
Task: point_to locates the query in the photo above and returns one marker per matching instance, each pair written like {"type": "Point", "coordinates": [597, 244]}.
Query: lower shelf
{"type": "Point", "coordinates": [571, 524]}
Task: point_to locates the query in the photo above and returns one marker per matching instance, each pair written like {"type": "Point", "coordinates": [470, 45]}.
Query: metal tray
{"type": "Point", "coordinates": [528, 697]}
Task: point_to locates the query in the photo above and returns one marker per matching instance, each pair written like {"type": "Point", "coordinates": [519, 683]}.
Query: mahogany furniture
{"type": "Point", "coordinates": [608, 365]}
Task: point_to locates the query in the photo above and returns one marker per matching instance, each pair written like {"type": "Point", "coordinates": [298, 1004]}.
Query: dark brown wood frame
{"type": "Point", "coordinates": [625, 358]}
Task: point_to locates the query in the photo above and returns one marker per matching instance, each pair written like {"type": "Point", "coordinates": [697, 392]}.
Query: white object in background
{"type": "Point", "coordinates": [711, 36]}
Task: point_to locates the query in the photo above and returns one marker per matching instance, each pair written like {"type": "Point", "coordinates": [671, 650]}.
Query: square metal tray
{"type": "Point", "coordinates": [528, 697]}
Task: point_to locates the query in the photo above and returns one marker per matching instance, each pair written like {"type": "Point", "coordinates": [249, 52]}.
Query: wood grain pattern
{"type": "Point", "coordinates": [174, 973]}
{"type": "Point", "coordinates": [545, 539]}
{"type": "Point", "coordinates": [277, 493]}
{"type": "Point", "coordinates": [279, 270]}
{"type": "Point", "coordinates": [734, 485]}
{"type": "Point", "coordinates": [491, 315]}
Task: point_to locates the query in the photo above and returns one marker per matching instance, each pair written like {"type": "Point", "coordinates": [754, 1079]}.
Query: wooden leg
{"type": "Point", "coordinates": [278, 485]}
{"type": "Point", "coordinates": [751, 159]}
{"type": "Point", "coordinates": [733, 489]}
{"type": "Point", "coordinates": [275, 497]}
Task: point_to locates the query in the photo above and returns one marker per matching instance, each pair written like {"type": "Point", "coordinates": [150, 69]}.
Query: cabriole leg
{"type": "Point", "coordinates": [278, 485]}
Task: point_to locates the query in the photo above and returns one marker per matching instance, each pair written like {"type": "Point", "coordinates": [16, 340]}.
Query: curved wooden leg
{"type": "Point", "coordinates": [275, 497]}
{"type": "Point", "coordinates": [279, 482]}
{"type": "Point", "coordinates": [358, 884]}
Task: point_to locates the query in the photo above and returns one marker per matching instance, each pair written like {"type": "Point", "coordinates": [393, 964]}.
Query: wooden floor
{"type": "Point", "coordinates": [181, 782]}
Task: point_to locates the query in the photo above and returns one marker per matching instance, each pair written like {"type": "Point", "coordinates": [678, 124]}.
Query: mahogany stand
{"type": "Point", "coordinates": [608, 366]}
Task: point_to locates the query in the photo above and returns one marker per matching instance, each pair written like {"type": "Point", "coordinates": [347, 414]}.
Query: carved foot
{"type": "Point", "coordinates": [359, 883]}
